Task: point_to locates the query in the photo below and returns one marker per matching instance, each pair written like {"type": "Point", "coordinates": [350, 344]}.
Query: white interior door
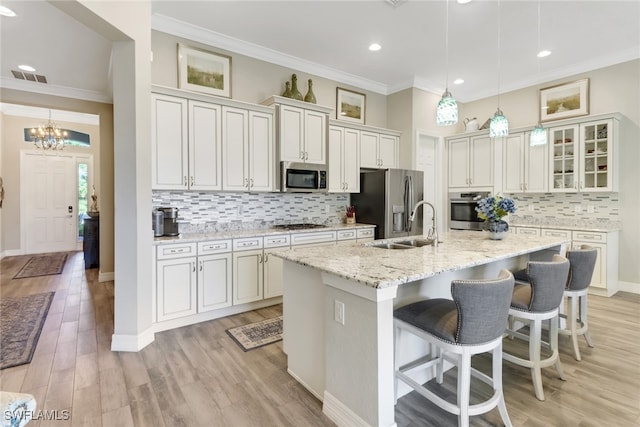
{"type": "Point", "coordinates": [427, 160]}
{"type": "Point", "coordinates": [49, 200]}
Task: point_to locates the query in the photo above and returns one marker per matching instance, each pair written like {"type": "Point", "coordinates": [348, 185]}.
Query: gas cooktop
{"type": "Point", "coordinates": [301, 226]}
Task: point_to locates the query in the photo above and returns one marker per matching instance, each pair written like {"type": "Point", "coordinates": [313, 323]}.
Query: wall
{"type": "Point", "coordinates": [254, 81]}
{"type": "Point", "coordinates": [552, 206]}
{"type": "Point", "coordinates": [102, 150]}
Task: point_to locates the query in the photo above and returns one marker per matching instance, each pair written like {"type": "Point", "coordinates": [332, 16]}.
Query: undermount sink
{"type": "Point", "coordinates": [405, 244]}
{"type": "Point", "coordinates": [391, 246]}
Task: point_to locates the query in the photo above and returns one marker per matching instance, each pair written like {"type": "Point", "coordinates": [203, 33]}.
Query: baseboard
{"type": "Point", "coordinates": [341, 415]}
{"type": "Point", "coordinates": [634, 288]}
{"type": "Point", "coordinates": [132, 343]}
{"type": "Point", "coordinates": [11, 252]}
{"type": "Point", "coordinates": [305, 385]}
{"type": "Point", "coordinates": [106, 277]}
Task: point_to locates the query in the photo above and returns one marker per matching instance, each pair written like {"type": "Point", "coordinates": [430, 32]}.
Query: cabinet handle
{"type": "Point", "coordinates": [525, 186]}
{"type": "Point", "coordinates": [302, 155]}
{"type": "Point", "coordinates": [266, 258]}
{"type": "Point", "coordinates": [246, 182]}
{"type": "Point", "coordinates": [192, 181]}
{"type": "Point", "coordinates": [306, 155]}
{"type": "Point", "coordinates": [251, 183]}
{"type": "Point", "coordinates": [184, 181]}
{"type": "Point", "coordinates": [200, 265]}
{"type": "Point", "coordinates": [194, 266]}
{"type": "Point", "coordinates": [260, 258]}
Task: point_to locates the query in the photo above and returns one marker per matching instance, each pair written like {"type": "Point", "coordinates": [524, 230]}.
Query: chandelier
{"type": "Point", "coordinates": [49, 136]}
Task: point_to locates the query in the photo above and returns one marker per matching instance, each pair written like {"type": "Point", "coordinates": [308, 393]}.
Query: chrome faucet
{"type": "Point", "coordinates": [433, 232]}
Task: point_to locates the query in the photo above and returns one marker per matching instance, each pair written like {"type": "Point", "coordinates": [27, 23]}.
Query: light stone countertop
{"type": "Point", "coordinates": [565, 223]}
{"type": "Point", "coordinates": [382, 268]}
{"type": "Point", "coordinates": [236, 234]}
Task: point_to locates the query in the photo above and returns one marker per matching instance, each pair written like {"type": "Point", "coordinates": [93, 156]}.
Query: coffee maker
{"type": "Point", "coordinates": [170, 225]}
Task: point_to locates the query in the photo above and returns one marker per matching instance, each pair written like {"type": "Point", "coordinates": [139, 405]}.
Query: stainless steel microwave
{"type": "Point", "coordinates": [303, 178]}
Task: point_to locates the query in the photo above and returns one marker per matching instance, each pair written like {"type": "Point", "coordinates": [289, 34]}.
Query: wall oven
{"type": "Point", "coordinates": [462, 211]}
{"type": "Point", "coordinates": [303, 178]}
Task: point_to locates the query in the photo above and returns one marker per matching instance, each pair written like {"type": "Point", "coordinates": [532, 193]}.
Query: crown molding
{"type": "Point", "coordinates": [43, 114]}
{"type": "Point", "coordinates": [48, 89]}
{"type": "Point", "coordinates": [184, 30]}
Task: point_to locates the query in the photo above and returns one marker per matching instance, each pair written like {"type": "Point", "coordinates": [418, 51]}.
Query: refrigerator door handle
{"type": "Point", "coordinates": [408, 201]}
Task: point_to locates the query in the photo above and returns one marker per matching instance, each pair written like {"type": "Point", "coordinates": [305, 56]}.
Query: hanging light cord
{"type": "Point", "coordinates": [538, 58]}
{"type": "Point", "coordinates": [499, 49]}
{"type": "Point", "coordinates": [446, 48]}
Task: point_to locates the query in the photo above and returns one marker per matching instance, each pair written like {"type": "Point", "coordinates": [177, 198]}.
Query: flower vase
{"type": "Point", "coordinates": [295, 93]}
{"type": "Point", "coordinates": [498, 235]}
{"type": "Point", "coordinates": [498, 230]}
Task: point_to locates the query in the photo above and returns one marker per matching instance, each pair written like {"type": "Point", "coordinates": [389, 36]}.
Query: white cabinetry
{"type": "Point", "coordinates": [301, 130]}
{"type": "Point", "coordinates": [524, 167]}
{"type": "Point", "coordinates": [379, 150]}
{"type": "Point", "coordinates": [584, 157]}
{"type": "Point", "coordinates": [214, 275]}
{"type": "Point", "coordinates": [176, 280]}
{"type": "Point", "coordinates": [471, 162]}
{"type": "Point", "coordinates": [185, 144]}
{"type": "Point", "coordinates": [273, 266]}
{"type": "Point", "coordinates": [248, 272]}
{"type": "Point", "coordinates": [248, 150]}
{"type": "Point", "coordinates": [344, 160]}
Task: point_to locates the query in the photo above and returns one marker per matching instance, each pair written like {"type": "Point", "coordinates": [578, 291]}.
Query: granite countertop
{"type": "Point", "coordinates": [236, 234]}
{"type": "Point", "coordinates": [566, 223]}
{"type": "Point", "coordinates": [382, 268]}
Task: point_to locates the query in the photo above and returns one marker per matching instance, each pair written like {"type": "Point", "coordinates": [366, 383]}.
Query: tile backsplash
{"type": "Point", "coordinates": [220, 211]}
{"type": "Point", "coordinates": [583, 206]}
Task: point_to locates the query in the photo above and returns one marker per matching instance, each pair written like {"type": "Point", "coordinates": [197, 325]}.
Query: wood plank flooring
{"type": "Point", "coordinates": [197, 376]}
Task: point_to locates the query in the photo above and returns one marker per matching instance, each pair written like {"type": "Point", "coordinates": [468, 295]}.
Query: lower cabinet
{"type": "Point", "coordinates": [176, 288]}
{"type": "Point", "coordinates": [273, 277]}
{"type": "Point", "coordinates": [214, 282]}
{"type": "Point", "coordinates": [248, 276]}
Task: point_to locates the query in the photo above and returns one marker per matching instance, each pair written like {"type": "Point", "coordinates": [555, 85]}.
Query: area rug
{"type": "Point", "coordinates": [258, 334]}
{"type": "Point", "coordinates": [21, 320]}
{"type": "Point", "coordinates": [42, 265]}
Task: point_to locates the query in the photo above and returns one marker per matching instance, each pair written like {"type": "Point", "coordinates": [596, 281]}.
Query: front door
{"type": "Point", "coordinates": [48, 188]}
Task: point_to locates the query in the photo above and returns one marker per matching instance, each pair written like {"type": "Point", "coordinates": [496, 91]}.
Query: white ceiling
{"type": "Point", "coordinates": [330, 39]}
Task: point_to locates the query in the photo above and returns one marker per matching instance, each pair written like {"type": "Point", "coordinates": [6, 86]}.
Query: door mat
{"type": "Point", "coordinates": [20, 325]}
{"type": "Point", "coordinates": [257, 334]}
{"type": "Point", "coordinates": [42, 265]}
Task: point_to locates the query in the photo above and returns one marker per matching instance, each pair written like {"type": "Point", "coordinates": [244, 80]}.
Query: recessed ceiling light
{"type": "Point", "coordinates": [464, 1]}
{"type": "Point", "coordinates": [28, 68]}
{"type": "Point", "coordinates": [544, 53]}
{"type": "Point", "coordinates": [5, 11]}
{"type": "Point", "coordinates": [458, 81]}
{"type": "Point", "coordinates": [374, 47]}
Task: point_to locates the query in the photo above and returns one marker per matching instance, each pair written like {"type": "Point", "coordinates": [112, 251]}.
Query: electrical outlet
{"type": "Point", "coordinates": [338, 311]}
{"type": "Point", "coordinates": [327, 209]}
{"type": "Point", "coordinates": [531, 207]}
{"type": "Point", "coordinates": [239, 210]}
{"type": "Point", "coordinates": [577, 209]}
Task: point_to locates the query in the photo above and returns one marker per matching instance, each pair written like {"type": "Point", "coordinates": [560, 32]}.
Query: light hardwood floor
{"type": "Point", "coordinates": [197, 376]}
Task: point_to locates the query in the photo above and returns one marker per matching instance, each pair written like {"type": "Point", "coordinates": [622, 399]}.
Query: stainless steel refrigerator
{"type": "Point", "coordinates": [386, 198]}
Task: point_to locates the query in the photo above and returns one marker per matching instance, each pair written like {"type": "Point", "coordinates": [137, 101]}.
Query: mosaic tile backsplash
{"type": "Point", "coordinates": [583, 206]}
{"type": "Point", "coordinates": [209, 212]}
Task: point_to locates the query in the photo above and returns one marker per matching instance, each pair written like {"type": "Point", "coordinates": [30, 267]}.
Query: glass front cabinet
{"type": "Point", "coordinates": [583, 157]}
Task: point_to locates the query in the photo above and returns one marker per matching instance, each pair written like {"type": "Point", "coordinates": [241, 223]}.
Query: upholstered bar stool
{"type": "Point", "coordinates": [582, 263]}
{"type": "Point", "coordinates": [537, 295]}
{"type": "Point", "coordinates": [472, 323]}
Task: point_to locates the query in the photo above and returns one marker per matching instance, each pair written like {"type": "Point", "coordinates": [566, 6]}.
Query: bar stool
{"type": "Point", "coordinates": [472, 323]}
{"type": "Point", "coordinates": [537, 295]}
{"type": "Point", "coordinates": [582, 263]}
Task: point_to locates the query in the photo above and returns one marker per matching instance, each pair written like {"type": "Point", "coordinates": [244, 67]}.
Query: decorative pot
{"type": "Point", "coordinates": [498, 235]}
{"type": "Point", "coordinates": [498, 230]}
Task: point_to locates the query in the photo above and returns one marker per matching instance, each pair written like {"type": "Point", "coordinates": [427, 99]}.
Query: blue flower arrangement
{"type": "Point", "coordinates": [492, 209]}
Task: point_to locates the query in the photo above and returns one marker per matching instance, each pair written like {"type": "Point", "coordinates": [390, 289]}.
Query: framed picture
{"type": "Point", "coordinates": [564, 100]}
{"type": "Point", "coordinates": [350, 105]}
{"type": "Point", "coordinates": [204, 71]}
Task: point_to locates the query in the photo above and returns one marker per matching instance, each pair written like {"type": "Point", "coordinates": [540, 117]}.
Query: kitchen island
{"type": "Point", "coordinates": [338, 311]}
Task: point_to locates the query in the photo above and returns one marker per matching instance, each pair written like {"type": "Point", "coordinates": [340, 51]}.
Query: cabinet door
{"type": "Point", "coordinates": [536, 175]}
{"type": "Point", "coordinates": [388, 151]}
{"type": "Point", "coordinates": [205, 151]}
{"type": "Point", "coordinates": [596, 160]}
{"type": "Point", "coordinates": [273, 277]}
{"type": "Point", "coordinates": [315, 137]}
{"type": "Point", "coordinates": [170, 157]}
{"type": "Point", "coordinates": [459, 162]}
{"type": "Point", "coordinates": [261, 152]}
{"type": "Point", "coordinates": [176, 288]}
{"type": "Point", "coordinates": [291, 133]}
{"type": "Point", "coordinates": [247, 276]}
{"type": "Point", "coordinates": [351, 161]}
{"type": "Point", "coordinates": [369, 150]}
{"type": "Point", "coordinates": [234, 149]}
{"type": "Point", "coordinates": [214, 282]}
{"type": "Point", "coordinates": [335, 165]}
{"type": "Point", "coordinates": [563, 155]}
{"type": "Point", "coordinates": [481, 171]}
{"type": "Point", "coordinates": [513, 164]}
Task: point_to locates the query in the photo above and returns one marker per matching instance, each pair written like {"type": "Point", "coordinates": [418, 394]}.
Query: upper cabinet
{"type": "Point", "coordinates": [524, 167]}
{"type": "Point", "coordinates": [379, 150]}
{"type": "Point", "coordinates": [471, 162]}
{"type": "Point", "coordinates": [344, 160]}
{"type": "Point", "coordinates": [301, 130]}
{"type": "Point", "coordinates": [583, 156]}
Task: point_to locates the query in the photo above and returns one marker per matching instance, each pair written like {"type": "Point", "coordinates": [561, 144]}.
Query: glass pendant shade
{"type": "Point", "coordinates": [538, 136]}
{"type": "Point", "coordinates": [499, 125]}
{"type": "Point", "coordinates": [447, 110]}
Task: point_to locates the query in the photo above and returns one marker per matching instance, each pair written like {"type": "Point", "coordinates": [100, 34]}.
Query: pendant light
{"type": "Point", "coordinates": [447, 110]}
{"type": "Point", "coordinates": [538, 135]}
{"type": "Point", "coordinates": [499, 125]}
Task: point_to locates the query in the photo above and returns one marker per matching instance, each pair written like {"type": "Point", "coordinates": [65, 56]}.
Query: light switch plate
{"type": "Point", "coordinates": [338, 311]}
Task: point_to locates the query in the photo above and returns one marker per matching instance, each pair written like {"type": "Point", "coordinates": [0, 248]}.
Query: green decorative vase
{"type": "Point", "coordinates": [310, 96]}
{"type": "Point", "coordinates": [287, 90]}
{"type": "Point", "coordinates": [295, 93]}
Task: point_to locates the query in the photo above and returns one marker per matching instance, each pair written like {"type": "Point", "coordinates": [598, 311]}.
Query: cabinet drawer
{"type": "Point", "coordinates": [247, 243]}
{"type": "Point", "coordinates": [365, 233]}
{"type": "Point", "coordinates": [528, 231]}
{"type": "Point", "coordinates": [347, 234]}
{"type": "Point", "coordinates": [214, 247]}
{"type": "Point", "coordinates": [589, 236]}
{"type": "Point", "coordinates": [280, 241]}
{"type": "Point", "coordinates": [316, 237]}
{"type": "Point", "coordinates": [565, 234]}
{"type": "Point", "coordinates": [176, 251]}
